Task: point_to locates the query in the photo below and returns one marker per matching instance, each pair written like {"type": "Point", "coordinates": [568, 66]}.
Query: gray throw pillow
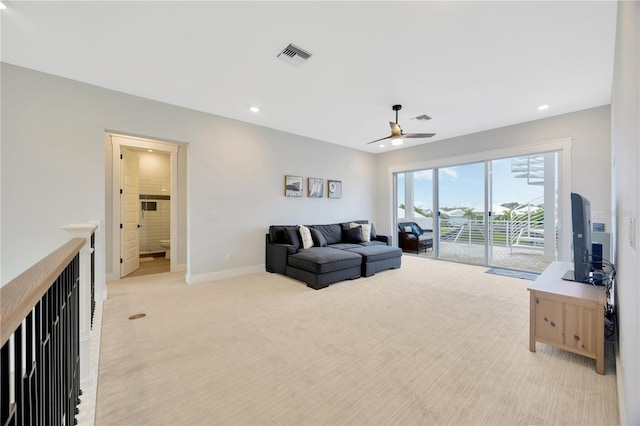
{"type": "Point", "coordinates": [318, 238]}
{"type": "Point", "coordinates": [373, 232]}
{"type": "Point", "coordinates": [293, 237]}
{"type": "Point", "coordinates": [352, 235]}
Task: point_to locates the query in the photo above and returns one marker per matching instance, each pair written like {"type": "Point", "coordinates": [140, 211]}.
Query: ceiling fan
{"type": "Point", "coordinates": [397, 135]}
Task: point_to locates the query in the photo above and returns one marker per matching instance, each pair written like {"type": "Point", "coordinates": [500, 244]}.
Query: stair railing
{"type": "Point", "coordinates": [45, 322]}
{"type": "Point", "coordinates": [39, 362]}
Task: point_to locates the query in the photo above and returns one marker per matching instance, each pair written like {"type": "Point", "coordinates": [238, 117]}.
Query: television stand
{"type": "Point", "coordinates": [567, 314]}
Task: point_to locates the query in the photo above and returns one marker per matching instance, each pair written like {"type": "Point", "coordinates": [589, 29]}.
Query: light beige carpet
{"type": "Point", "coordinates": [430, 343]}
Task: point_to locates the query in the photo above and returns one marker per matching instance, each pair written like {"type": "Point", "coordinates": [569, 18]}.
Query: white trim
{"type": "Point", "coordinates": [134, 142]}
{"type": "Point", "coordinates": [223, 275]}
{"type": "Point", "coordinates": [516, 151]}
{"type": "Point", "coordinates": [117, 142]}
{"type": "Point", "coordinates": [562, 146]}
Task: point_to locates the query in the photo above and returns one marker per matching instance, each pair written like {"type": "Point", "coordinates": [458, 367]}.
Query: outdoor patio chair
{"type": "Point", "coordinates": [412, 237]}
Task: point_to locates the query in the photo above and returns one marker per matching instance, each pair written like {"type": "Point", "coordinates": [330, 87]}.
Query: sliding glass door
{"type": "Point", "coordinates": [462, 225]}
{"type": "Point", "coordinates": [415, 202]}
{"type": "Point", "coordinates": [500, 212]}
{"type": "Point", "coordinates": [524, 211]}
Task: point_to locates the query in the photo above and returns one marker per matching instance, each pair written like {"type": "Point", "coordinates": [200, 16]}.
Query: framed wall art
{"type": "Point", "coordinates": [315, 187]}
{"type": "Point", "coordinates": [335, 188]}
{"type": "Point", "coordinates": [293, 186]}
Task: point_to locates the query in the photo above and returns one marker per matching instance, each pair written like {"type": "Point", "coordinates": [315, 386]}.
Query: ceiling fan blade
{"type": "Point", "coordinates": [381, 139]}
{"type": "Point", "coordinates": [395, 129]}
{"type": "Point", "coordinates": [418, 135]}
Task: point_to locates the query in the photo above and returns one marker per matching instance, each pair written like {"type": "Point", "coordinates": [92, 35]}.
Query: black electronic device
{"type": "Point", "coordinates": [596, 256]}
{"type": "Point", "coordinates": [582, 244]}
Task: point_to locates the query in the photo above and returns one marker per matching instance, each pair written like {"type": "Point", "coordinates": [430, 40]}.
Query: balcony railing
{"type": "Point", "coordinates": [507, 233]}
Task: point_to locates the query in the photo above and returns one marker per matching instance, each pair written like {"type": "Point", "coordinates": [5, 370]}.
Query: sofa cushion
{"type": "Point", "coordinates": [344, 246]}
{"type": "Point", "coordinates": [376, 252]}
{"type": "Point", "coordinates": [320, 260]}
{"type": "Point", "coordinates": [318, 238]}
{"type": "Point", "coordinates": [305, 237]}
{"type": "Point", "coordinates": [374, 235]}
{"type": "Point", "coordinates": [331, 233]}
{"type": "Point", "coordinates": [373, 243]}
{"type": "Point", "coordinates": [293, 238]}
{"type": "Point", "coordinates": [352, 235]}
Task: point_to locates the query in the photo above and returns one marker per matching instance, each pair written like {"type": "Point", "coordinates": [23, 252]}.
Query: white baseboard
{"type": "Point", "coordinates": [223, 275]}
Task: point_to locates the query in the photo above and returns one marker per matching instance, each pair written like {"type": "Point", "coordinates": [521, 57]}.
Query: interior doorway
{"type": "Point", "coordinates": [144, 206]}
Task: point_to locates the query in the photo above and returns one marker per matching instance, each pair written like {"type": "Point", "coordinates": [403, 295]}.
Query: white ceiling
{"type": "Point", "coordinates": [471, 66]}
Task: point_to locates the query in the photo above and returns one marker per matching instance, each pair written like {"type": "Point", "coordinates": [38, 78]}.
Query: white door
{"type": "Point", "coordinates": [129, 204]}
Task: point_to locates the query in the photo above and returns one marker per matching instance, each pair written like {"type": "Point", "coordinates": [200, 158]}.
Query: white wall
{"type": "Point", "coordinates": [590, 155]}
{"type": "Point", "coordinates": [155, 165]}
{"type": "Point", "coordinates": [53, 173]}
{"type": "Point", "coordinates": [625, 135]}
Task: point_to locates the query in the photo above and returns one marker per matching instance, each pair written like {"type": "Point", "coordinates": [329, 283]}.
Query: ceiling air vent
{"type": "Point", "coordinates": [423, 117]}
{"type": "Point", "coordinates": [292, 54]}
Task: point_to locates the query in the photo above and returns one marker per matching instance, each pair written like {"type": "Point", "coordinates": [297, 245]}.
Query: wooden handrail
{"type": "Point", "coordinates": [20, 295]}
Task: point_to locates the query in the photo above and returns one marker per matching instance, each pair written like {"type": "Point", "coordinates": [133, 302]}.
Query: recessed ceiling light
{"type": "Point", "coordinates": [2, 6]}
{"type": "Point", "coordinates": [396, 141]}
{"type": "Point", "coordinates": [381, 145]}
{"type": "Point", "coordinates": [150, 150]}
{"type": "Point", "coordinates": [254, 109]}
{"type": "Point", "coordinates": [543, 107]}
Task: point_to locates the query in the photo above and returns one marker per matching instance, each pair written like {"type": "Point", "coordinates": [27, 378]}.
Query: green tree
{"type": "Point", "coordinates": [512, 205]}
{"type": "Point", "coordinates": [423, 212]}
{"type": "Point", "coordinates": [469, 214]}
{"type": "Point", "coordinates": [419, 210]}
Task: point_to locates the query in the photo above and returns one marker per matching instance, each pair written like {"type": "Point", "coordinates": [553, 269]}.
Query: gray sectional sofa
{"type": "Point", "coordinates": [339, 251]}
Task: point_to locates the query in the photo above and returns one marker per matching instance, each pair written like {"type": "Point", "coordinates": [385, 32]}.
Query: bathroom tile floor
{"type": "Point", "coordinates": [156, 266]}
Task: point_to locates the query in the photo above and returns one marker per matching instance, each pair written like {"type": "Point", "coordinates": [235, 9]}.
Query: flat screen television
{"type": "Point", "coordinates": [581, 220]}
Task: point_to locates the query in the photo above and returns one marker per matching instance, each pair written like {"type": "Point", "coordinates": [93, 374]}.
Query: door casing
{"type": "Point", "coordinates": [118, 141]}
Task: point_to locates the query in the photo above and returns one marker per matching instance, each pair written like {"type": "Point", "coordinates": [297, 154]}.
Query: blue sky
{"type": "Point", "coordinates": [463, 186]}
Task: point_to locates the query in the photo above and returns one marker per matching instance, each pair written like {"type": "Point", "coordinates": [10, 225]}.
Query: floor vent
{"type": "Point", "coordinates": [294, 55]}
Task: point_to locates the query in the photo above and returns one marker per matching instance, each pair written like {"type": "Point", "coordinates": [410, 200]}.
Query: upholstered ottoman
{"type": "Point", "coordinates": [378, 258]}
{"type": "Point", "coordinates": [321, 266]}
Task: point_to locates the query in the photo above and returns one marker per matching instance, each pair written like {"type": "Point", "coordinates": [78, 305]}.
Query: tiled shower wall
{"type": "Point", "coordinates": [155, 225]}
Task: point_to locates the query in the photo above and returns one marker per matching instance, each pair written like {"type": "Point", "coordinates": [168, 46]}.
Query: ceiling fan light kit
{"type": "Point", "coordinates": [397, 135]}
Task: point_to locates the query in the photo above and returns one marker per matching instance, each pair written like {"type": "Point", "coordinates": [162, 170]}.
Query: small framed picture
{"type": "Point", "coordinates": [335, 188]}
{"type": "Point", "coordinates": [315, 187]}
{"type": "Point", "coordinates": [293, 186]}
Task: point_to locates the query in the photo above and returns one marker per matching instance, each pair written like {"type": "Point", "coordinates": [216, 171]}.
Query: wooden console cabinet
{"type": "Point", "coordinates": [567, 314]}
